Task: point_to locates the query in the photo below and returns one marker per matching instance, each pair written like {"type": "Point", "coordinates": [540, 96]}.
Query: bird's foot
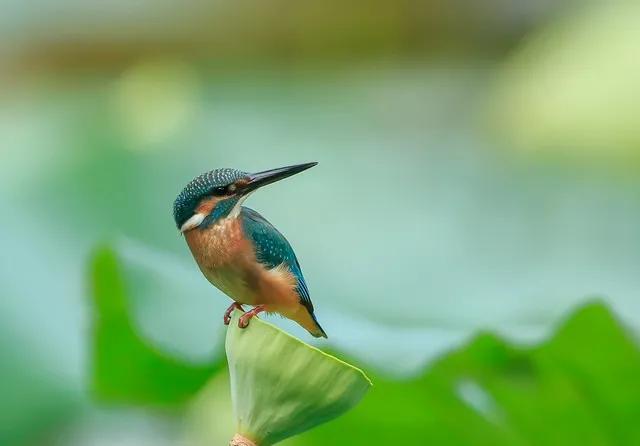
{"type": "Point", "coordinates": [232, 307]}
{"type": "Point", "coordinates": [243, 322]}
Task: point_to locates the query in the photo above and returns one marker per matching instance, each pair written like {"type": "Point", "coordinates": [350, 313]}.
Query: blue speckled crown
{"type": "Point", "coordinates": [198, 188]}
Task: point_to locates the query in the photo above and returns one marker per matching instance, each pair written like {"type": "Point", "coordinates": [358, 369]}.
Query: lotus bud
{"type": "Point", "coordinates": [281, 386]}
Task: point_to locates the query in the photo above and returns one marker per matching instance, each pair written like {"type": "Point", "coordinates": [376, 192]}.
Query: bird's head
{"type": "Point", "coordinates": [219, 193]}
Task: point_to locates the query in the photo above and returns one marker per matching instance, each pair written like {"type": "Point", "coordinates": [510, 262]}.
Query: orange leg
{"type": "Point", "coordinates": [243, 322]}
{"type": "Point", "coordinates": [227, 314]}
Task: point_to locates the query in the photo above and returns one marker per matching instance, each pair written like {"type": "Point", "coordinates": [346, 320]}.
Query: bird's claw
{"type": "Point", "coordinates": [227, 314]}
{"type": "Point", "coordinates": [243, 322]}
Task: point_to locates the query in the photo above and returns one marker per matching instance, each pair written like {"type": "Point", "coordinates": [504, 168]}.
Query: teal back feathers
{"type": "Point", "coordinates": [272, 249]}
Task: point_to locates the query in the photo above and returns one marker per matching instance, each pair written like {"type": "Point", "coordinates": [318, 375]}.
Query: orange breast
{"type": "Point", "coordinates": [217, 245]}
{"type": "Point", "coordinates": [227, 259]}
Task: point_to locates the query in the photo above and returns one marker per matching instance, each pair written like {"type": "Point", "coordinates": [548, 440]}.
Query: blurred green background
{"type": "Point", "coordinates": [470, 236]}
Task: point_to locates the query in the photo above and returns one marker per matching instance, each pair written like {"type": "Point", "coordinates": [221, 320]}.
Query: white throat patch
{"type": "Point", "coordinates": [193, 222]}
{"type": "Point", "coordinates": [236, 209]}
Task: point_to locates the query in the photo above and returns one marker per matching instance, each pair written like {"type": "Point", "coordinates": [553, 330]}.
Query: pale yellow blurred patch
{"type": "Point", "coordinates": [574, 86]}
{"type": "Point", "coordinates": [154, 101]}
{"type": "Point", "coordinates": [210, 420]}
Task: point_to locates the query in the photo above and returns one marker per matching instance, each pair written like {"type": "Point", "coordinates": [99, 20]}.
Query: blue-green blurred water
{"type": "Point", "coordinates": [416, 229]}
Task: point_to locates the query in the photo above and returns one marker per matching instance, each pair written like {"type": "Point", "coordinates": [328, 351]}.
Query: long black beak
{"type": "Point", "coordinates": [260, 179]}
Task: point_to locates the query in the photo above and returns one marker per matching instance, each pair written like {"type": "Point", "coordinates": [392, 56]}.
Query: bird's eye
{"type": "Point", "coordinates": [220, 191]}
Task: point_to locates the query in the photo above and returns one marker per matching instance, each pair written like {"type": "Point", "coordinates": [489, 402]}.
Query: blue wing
{"type": "Point", "coordinates": [272, 249]}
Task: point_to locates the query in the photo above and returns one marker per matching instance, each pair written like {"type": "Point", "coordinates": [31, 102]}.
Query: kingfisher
{"type": "Point", "coordinates": [239, 251]}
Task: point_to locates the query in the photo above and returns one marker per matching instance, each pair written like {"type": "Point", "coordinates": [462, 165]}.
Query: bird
{"type": "Point", "coordinates": [239, 251]}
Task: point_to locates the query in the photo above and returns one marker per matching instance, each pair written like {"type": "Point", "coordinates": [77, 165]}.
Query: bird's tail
{"type": "Point", "coordinates": [308, 321]}
{"type": "Point", "coordinates": [319, 332]}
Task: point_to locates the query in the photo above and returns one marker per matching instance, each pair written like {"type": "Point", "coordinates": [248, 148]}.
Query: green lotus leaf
{"type": "Point", "coordinates": [281, 386]}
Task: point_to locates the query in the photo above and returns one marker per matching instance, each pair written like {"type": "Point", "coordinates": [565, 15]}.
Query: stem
{"type": "Point", "coordinates": [239, 440]}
